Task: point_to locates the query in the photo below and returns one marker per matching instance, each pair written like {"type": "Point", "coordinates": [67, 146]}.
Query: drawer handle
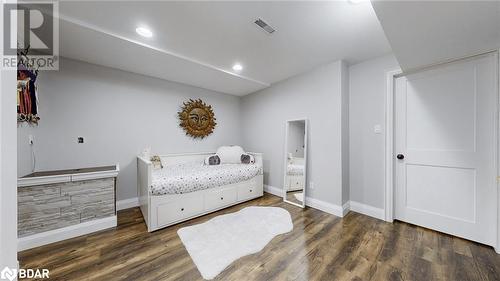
{"type": "Point", "coordinates": [251, 190]}
{"type": "Point", "coordinates": [182, 209]}
{"type": "Point", "coordinates": [222, 198]}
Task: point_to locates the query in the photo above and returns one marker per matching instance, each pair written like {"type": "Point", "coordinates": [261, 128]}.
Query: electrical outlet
{"type": "Point", "coordinates": [80, 140]}
{"type": "Point", "coordinates": [31, 140]}
{"type": "Point", "coordinates": [311, 185]}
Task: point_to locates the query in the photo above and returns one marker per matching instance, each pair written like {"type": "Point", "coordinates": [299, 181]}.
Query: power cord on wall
{"type": "Point", "coordinates": [33, 156]}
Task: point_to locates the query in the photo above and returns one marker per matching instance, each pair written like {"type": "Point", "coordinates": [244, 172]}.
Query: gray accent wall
{"type": "Point", "coordinates": [367, 149]}
{"type": "Point", "coordinates": [118, 114]}
{"type": "Point", "coordinates": [315, 95]}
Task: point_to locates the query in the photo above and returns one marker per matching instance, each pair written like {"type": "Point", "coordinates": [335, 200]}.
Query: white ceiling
{"type": "Point", "coordinates": [423, 33]}
{"type": "Point", "coordinates": [198, 42]}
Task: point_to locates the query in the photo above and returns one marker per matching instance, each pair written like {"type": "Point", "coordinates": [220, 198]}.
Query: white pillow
{"type": "Point", "coordinates": [230, 154]}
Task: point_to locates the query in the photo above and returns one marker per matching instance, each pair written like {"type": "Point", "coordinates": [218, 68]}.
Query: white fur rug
{"type": "Point", "coordinates": [299, 196]}
{"type": "Point", "coordinates": [215, 244]}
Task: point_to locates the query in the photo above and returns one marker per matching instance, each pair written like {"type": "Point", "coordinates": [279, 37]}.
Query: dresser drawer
{"type": "Point", "coordinates": [178, 210]}
{"type": "Point", "coordinates": [220, 198]}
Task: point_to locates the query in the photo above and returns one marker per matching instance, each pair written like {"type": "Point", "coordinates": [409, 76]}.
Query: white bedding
{"type": "Point", "coordinates": [194, 176]}
{"type": "Point", "coordinates": [295, 169]}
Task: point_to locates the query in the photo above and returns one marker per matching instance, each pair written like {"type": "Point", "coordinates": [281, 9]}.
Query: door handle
{"type": "Point", "coordinates": [400, 156]}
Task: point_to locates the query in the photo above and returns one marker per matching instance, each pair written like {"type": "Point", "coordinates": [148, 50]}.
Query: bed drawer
{"type": "Point", "coordinates": [220, 198]}
{"type": "Point", "coordinates": [296, 182]}
{"type": "Point", "coordinates": [247, 191]}
{"type": "Point", "coordinates": [177, 210]}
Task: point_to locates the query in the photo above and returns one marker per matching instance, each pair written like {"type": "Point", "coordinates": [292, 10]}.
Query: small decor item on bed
{"type": "Point", "coordinates": [146, 153]}
{"type": "Point", "coordinates": [197, 118]}
{"type": "Point", "coordinates": [247, 159]}
{"type": "Point", "coordinates": [212, 160]}
{"type": "Point", "coordinates": [156, 161]}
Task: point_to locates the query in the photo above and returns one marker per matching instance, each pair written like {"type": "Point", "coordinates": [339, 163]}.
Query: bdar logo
{"type": "Point", "coordinates": [8, 274]}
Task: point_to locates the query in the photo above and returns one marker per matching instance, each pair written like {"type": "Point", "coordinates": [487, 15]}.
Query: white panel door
{"type": "Point", "coordinates": [445, 147]}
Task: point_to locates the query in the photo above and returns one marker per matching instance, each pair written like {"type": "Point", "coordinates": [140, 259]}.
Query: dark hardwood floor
{"type": "Point", "coordinates": [320, 247]}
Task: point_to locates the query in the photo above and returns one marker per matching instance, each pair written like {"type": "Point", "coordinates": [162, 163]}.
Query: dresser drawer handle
{"type": "Point", "coordinates": [182, 209]}
{"type": "Point", "coordinates": [222, 198]}
{"type": "Point", "coordinates": [251, 190]}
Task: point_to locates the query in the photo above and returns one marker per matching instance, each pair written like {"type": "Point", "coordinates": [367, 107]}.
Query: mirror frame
{"type": "Point", "coordinates": [285, 158]}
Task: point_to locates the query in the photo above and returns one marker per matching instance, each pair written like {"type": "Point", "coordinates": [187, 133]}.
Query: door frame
{"type": "Point", "coordinates": [389, 138]}
{"type": "Point", "coordinates": [389, 145]}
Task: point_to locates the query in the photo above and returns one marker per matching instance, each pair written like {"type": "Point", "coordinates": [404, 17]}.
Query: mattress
{"type": "Point", "coordinates": [295, 170]}
{"type": "Point", "coordinates": [194, 176]}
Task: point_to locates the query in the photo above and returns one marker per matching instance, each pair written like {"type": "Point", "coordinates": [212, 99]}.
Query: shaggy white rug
{"type": "Point", "coordinates": [215, 244]}
{"type": "Point", "coordinates": [299, 196]}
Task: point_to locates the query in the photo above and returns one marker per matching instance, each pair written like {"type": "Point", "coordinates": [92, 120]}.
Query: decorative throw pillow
{"type": "Point", "coordinates": [212, 160]}
{"type": "Point", "coordinates": [247, 159]}
{"type": "Point", "coordinates": [230, 154]}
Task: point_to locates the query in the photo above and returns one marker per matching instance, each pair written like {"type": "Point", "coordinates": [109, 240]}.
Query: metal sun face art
{"type": "Point", "coordinates": [197, 118]}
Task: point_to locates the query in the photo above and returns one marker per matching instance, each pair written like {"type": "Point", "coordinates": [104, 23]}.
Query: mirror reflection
{"type": "Point", "coordinates": [295, 162]}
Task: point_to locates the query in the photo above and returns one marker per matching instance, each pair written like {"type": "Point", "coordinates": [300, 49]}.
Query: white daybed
{"type": "Point", "coordinates": [165, 205]}
{"type": "Point", "coordinates": [295, 174]}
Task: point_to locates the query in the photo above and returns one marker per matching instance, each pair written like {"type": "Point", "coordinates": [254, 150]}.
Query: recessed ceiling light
{"type": "Point", "coordinates": [237, 67]}
{"type": "Point", "coordinates": [144, 32]}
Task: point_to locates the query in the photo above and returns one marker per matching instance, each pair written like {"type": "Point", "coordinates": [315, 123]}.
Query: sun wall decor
{"type": "Point", "coordinates": [197, 118]}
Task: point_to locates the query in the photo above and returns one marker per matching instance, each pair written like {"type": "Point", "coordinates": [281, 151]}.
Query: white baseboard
{"type": "Point", "coordinates": [273, 190]}
{"type": "Point", "coordinates": [367, 210]}
{"type": "Point", "coordinates": [313, 203]}
{"type": "Point", "coordinates": [48, 237]}
{"type": "Point", "coordinates": [127, 203]}
{"type": "Point", "coordinates": [325, 206]}
{"type": "Point", "coordinates": [346, 208]}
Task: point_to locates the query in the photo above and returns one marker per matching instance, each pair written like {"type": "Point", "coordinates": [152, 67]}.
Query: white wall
{"type": "Point", "coordinates": [8, 179]}
{"type": "Point", "coordinates": [367, 109]}
{"type": "Point", "coordinates": [131, 111]}
{"type": "Point", "coordinates": [118, 113]}
{"type": "Point", "coordinates": [8, 166]}
{"type": "Point", "coordinates": [315, 95]}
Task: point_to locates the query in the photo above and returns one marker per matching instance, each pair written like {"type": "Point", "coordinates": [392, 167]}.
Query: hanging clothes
{"type": "Point", "coordinates": [27, 101]}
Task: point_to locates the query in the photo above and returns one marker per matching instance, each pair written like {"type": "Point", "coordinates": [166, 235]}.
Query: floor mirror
{"type": "Point", "coordinates": [295, 162]}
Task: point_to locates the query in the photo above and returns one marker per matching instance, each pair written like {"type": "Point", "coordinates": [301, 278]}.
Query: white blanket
{"type": "Point", "coordinates": [295, 169]}
{"type": "Point", "coordinates": [194, 176]}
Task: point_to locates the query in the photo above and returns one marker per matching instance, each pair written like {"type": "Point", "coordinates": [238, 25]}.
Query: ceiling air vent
{"type": "Point", "coordinates": [264, 26]}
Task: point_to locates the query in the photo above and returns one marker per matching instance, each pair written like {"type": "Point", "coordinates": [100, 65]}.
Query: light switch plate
{"type": "Point", "coordinates": [377, 129]}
